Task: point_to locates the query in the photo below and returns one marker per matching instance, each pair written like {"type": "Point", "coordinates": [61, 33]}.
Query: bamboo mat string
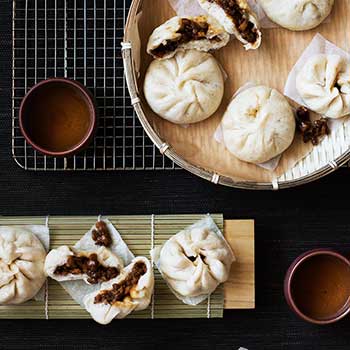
{"type": "Point", "coordinates": [46, 299]}
{"type": "Point", "coordinates": [209, 306]}
{"type": "Point", "coordinates": [152, 262]}
{"type": "Point", "coordinates": [47, 282]}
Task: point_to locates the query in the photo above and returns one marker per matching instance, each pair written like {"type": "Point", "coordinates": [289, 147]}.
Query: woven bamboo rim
{"type": "Point", "coordinates": [167, 150]}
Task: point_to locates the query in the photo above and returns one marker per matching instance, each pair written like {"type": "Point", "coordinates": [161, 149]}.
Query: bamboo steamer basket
{"type": "Point", "coordinates": [318, 163]}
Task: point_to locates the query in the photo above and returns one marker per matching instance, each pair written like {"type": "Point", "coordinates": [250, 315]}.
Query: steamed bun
{"type": "Point", "coordinates": [297, 14]}
{"type": "Point", "coordinates": [258, 125]}
{"type": "Point", "coordinates": [63, 256]}
{"type": "Point", "coordinates": [324, 85]}
{"type": "Point", "coordinates": [195, 261]}
{"type": "Point", "coordinates": [202, 33]}
{"type": "Point", "coordinates": [22, 259]}
{"type": "Point", "coordinates": [237, 18]}
{"type": "Point", "coordinates": [185, 89]}
{"type": "Point", "coordinates": [131, 291]}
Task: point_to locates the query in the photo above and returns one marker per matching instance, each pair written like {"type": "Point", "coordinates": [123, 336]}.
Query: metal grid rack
{"type": "Point", "coordinates": [80, 39]}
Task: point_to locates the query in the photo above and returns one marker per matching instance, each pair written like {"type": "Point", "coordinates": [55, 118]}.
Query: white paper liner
{"type": "Point", "coordinates": [79, 289]}
{"type": "Point", "coordinates": [42, 232]}
{"type": "Point", "coordinates": [118, 246]}
{"type": "Point", "coordinates": [270, 165]}
{"type": "Point", "coordinates": [185, 8]}
{"type": "Point", "coordinates": [208, 223]}
{"type": "Point", "coordinates": [318, 45]}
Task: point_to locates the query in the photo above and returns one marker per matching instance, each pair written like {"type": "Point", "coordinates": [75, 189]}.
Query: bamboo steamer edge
{"type": "Point", "coordinates": [165, 148]}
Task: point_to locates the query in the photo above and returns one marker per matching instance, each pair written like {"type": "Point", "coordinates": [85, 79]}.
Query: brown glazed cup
{"type": "Point", "coordinates": [342, 312]}
{"type": "Point", "coordinates": [86, 97]}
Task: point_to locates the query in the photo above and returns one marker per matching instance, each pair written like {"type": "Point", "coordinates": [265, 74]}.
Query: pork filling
{"type": "Point", "coordinates": [122, 289]}
{"type": "Point", "coordinates": [240, 18]}
{"type": "Point", "coordinates": [189, 30]}
{"type": "Point", "coordinates": [101, 235]}
{"type": "Point", "coordinates": [88, 265]}
{"type": "Point", "coordinates": [310, 130]}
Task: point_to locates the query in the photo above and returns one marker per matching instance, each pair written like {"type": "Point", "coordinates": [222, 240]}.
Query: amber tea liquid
{"type": "Point", "coordinates": [58, 117]}
{"type": "Point", "coordinates": [321, 286]}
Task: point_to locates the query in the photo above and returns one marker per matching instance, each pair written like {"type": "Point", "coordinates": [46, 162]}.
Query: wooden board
{"type": "Point", "coordinates": [239, 290]}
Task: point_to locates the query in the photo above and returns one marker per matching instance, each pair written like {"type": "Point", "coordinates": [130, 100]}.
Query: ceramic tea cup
{"type": "Point", "coordinates": [57, 117]}
{"type": "Point", "coordinates": [317, 286]}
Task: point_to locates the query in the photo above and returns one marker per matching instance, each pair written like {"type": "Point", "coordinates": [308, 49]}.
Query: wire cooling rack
{"type": "Point", "coordinates": [80, 39]}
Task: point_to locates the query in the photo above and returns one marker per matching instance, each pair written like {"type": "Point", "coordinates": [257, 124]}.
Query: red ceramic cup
{"type": "Point", "coordinates": [26, 124]}
{"type": "Point", "coordinates": [288, 284]}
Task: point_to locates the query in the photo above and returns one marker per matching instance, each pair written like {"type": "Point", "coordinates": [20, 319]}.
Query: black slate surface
{"type": "Point", "coordinates": [287, 223]}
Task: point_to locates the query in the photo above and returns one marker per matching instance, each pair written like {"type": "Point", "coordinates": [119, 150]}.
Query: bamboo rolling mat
{"type": "Point", "coordinates": [136, 232]}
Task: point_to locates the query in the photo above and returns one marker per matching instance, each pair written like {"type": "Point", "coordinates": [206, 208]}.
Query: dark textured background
{"type": "Point", "coordinates": [287, 223]}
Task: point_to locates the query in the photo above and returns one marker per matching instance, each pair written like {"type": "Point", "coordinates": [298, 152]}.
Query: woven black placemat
{"type": "Point", "coordinates": [287, 223]}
